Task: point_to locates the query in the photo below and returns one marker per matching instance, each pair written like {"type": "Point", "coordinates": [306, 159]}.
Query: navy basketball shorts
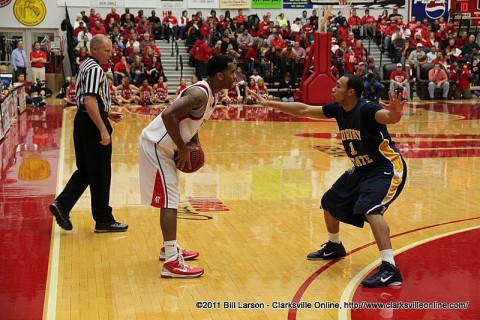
{"type": "Point", "coordinates": [359, 192]}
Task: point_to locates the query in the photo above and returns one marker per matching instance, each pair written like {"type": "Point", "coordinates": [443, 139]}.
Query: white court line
{"type": "Point", "coordinates": [55, 249]}
{"type": "Point", "coordinates": [343, 313]}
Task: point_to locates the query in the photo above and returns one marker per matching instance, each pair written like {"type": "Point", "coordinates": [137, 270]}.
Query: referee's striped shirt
{"type": "Point", "coordinates": [92, 80]}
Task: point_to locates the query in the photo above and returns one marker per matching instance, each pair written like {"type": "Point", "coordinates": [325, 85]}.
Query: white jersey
{"type": "Point", "coordinates": [189, 123]}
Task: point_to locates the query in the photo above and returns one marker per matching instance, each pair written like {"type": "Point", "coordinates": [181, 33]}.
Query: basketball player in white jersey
{"type": "Point", "coordinates": [172, 130]}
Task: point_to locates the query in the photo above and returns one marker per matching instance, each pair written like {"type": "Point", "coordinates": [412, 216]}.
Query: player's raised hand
{"type": "Point", "coordinates": [396, 104]}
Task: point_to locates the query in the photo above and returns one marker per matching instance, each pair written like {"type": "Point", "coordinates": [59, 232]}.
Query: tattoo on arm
{"type": "Point", "coordinates": [193, 99]}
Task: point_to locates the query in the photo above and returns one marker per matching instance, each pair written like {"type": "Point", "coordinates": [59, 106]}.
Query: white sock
{"type": "Point", "coordinates": [387, 255]}
{"type": "Point", "coordinates": [334, 237]}
{"type": "Point", "coordinates": [171, 250]}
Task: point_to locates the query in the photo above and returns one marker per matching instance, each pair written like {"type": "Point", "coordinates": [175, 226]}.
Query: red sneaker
{"type": "Point", "coordinates": [179, 269]}
{"type": "Point", "coordinates": [187, 254]}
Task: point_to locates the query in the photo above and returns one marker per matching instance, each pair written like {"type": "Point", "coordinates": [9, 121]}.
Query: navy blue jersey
{"type": "Point", "coordinates": [366, 142]}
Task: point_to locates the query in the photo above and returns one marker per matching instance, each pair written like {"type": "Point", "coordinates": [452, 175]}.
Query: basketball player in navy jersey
{"type": "Point", "coordinates": [172, 130]}
{"type": "Point", "coordinates": [365, 191]}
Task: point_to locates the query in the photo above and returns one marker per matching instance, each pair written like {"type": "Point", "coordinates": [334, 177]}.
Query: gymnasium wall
{"type": "Point", "coordinates": [54, 10]}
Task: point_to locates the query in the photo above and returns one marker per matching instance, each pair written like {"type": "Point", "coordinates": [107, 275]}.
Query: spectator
{"type": "Point", "coordinates": [232, 95]}
{"type": "Point", "coordinates": [170, 27]}
{"type": "Point", "coordinates": [263, 90]}
{"type": "Point", "coordinates": [415, 55]}
{"type": "Point", "coordinates": [181, 87]}
{"type": "Point", "coordinates": [160, 91]}
{"type": "Point", "coordinates": [137, 71]}
{"type": "Point", "coordinates": [145, 97]}
{"type": "Point", "coordinates": [287, 88]}
{"type": "Point", "coordinates": [127, 91]}
{"type": "Point", "coordinates": [432, 54]}
{"type": "Point", "coordinates": [467, 49]}
{"type": "Point", "coordinates": [369, 26]}
{"type": "Point", "coordinates": [19, 60]}
{"type": "Point", "coordinates": [400, 47]}
{"type": "Point", "coordinates": [399, 80]}
{"type": "Point", "coordinates": [182, 24]}
{"type": "Point", "coordinates": [121, 70]}
{"type": "Point", "coordinates": [78, 29]}
{"type": "Point", "coordinates": [355, 23]}
{"type": "Point", "coordinates": [281, 21]}
{"type": "Point", "coordinates": [38, 59]}
{"type": "Point", "coordinates": [251, 88]}
{"type": "Point", "coordinates": [201, 53]}
{"type": "Point", "coordinates": [394, 16]}
{"type": "Point", "coordinates": [244, 40]}
{"type": "Point", "coordinates": [85, 43]}
{"type": "Point", "coordinates": [98, 28]}
{"type": "Point", "coordinates": [438, 80]}
{"type": "Point", "coordinates": [314, 19]}
{"type": "Point", "coordinates": [475, 71]}
{"type": "Point", "coordinates": [460, 78]}
{"type": "Point", "coordinates": [287, 58]}
{"type": "Point", "coordinates": [71, 93]}
{"type": "Point", "coordinates": [155, 25]}
{"type": "Point", "coordinates": [371, 75]}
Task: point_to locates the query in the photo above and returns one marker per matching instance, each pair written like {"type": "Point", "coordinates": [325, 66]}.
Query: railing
{"type": "Point", "coordinates": [177, 55]}
{"type": "Point", "coordinates": [181, 67]}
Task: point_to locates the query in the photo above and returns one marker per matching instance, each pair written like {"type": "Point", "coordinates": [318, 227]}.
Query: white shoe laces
{"type": "Point", "coordinates": [181, 260]}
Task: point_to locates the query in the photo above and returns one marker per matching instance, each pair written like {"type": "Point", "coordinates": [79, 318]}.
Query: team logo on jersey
{"type": "Point", "coordinates": [434, 9]}
{"type": "Point", "coordinates": [29, 12]}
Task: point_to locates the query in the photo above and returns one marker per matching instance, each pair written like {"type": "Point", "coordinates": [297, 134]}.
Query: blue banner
{"type": "Point", "coordinates": [430, 9]}
{"type": "Point", "coordinates": [296, 4]}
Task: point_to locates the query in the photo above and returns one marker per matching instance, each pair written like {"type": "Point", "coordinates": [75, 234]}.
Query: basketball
{"type": "Point", "coordinates": [197, 159]}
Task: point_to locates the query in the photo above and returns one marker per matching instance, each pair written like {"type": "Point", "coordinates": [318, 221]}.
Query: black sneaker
{"type": "Point", "coordinates": [387, 275]}
{"type": "Point", "coordinates": [113, 226]}
{"type": "Point", "coordinates": [330, 250]}
{"type": "Point", "coordinates": [62, 218]}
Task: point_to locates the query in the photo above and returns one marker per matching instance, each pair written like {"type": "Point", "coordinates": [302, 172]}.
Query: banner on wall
{"type": "Point", "coordinates": [173, 4]}
{"type": "Point", "coordinates": [234, 4]}
{"type": "Point", "coordinates": [266, 4]}
{"type": "Point", "coordinates": [296, 4]}
{"type": "Point", "coordinates": [203, 4]}
{"type": "Point", "coordinates": [430, 9]}
{"type": "Point", "coordinates": [107, 3]}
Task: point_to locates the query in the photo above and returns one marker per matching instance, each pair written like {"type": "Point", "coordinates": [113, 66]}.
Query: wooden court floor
{"type": "Point", "coordinates": [253, 213]}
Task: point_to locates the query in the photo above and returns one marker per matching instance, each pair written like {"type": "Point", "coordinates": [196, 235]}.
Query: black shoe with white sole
{"type": "Point", "coordinates": [330, 250]}
{"type": "Point", "coordinates": [113, 226]}
{"type": "Point", "coordinates": [387, 275]}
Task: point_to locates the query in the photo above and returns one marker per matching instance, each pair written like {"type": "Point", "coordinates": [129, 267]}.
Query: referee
{"type": "Point", "coordinates": [92, 140]}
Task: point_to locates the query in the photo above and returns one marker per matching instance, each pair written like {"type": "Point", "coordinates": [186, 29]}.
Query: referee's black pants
{"type": "Point", "coordinates": [93, 168]}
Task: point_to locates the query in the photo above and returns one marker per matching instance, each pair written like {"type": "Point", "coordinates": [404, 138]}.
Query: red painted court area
{"type": "Point", "coordinates": [433, 273]}
{"type": "Point", "coordinates": [29, 158]}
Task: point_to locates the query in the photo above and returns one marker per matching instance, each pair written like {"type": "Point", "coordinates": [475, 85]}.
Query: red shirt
{"type": "Point", "coordinates": [368, 19]}
{"type": "Point", "coordinates": [120, 67]}
{"type": "Point", "coordinates": [398, 76]}
{"type": "Point", "coordinates": [94, 30]}
{"type": "Point", "coordinates": [38, 54]}
{"type": "Point", "coordinates": [462, 80]}
{"type": "Point", "coordinates": [115, 17]}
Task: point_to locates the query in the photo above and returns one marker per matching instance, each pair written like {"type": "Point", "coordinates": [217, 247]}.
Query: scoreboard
{"type": "Point", "coordinates": [466, 10]}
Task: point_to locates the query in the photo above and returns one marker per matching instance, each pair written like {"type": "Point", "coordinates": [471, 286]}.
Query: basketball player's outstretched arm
{"type": "Point", "coordinates": [194, 98]}
{"type": "Point", "coordinates": [392, 111]}
{"type": "Point", "coordinates": [294, 108]}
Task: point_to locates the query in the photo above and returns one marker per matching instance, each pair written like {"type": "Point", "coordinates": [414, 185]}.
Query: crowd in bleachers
{"type": "Point", "coordinates": [274, 50]}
